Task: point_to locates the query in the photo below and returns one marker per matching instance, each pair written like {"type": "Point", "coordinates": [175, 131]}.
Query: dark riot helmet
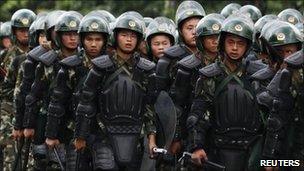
{"type": "Point", "coordinates": [67, 22]}
{"type": "Point", "coordinates": [129, 22]}
{"type": "Point", "coordinates": [251, 11]}
{"type": "Point", "coordinates": [292, 16]}
{"type": "Point", "coordinates": [239, 25]}
{"type": "Point", "coordinates": [50, 22]}
{"type": "Point", "coordinates": [209, 25]}
{"type": "Point", "coordinates": [22, 18]}
{"type": "Point", "coordinates": [94, 24]}
{"type": "Point", "coordinates": [230, 9]}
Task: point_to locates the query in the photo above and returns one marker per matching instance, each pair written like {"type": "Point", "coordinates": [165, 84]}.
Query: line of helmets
{"type": "Point", "coordinates": [281, 29]}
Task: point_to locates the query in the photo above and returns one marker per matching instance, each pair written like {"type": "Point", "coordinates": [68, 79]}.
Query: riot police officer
{"type": "Point", "coordinates": [224, 108]}
{"type": "Point", "coordinates": [112, 97]}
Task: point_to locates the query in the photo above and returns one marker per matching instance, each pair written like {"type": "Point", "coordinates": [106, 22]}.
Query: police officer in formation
{"type": "Point", "coordinates": [81, 92]}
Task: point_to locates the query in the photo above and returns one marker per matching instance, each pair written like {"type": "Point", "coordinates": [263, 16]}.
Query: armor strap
{"type": "Point", "coordinates": [226, 81]}
{"type": "Point", "coordinates": [115, 74]}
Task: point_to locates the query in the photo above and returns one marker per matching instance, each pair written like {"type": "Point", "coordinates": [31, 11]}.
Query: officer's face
{"type": "Point", "coordinates": [235, 46]}
{"type": "Point", "coordinates": [188, 31]}
{"type": "Point", "coordinates": [93, 43]}
{"type": "Point", "coordinates": [286, 50]}
{"type": "Point", "coordinates": [42, 39]}
{"type": "Point", "coordinates": [158, 44]}
{"type": "Point", "coordinates": [127, 41]}
{"type": "Point", "coordinates": [70, 40]}
{"type": "Point", "coordinates": [22, 35]}
{"type": "Point", "coordinates": [6, 42]}
{"type": "Point", "coordinates": [210, 43]}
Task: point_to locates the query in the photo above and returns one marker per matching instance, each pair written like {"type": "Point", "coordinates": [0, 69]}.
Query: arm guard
{"type": "Point", "coordinates": [86, 108]}
{"type": "Point", "coordinates": [28, 78]}
{"type": "Point", "coordinates": [198, 121]}
{"type": "Point", "coordinates": [279, 119]}
{"type": "Point", "coordinates": [56, 109]}
{"type": "Point", "coordinates": [31, 101]}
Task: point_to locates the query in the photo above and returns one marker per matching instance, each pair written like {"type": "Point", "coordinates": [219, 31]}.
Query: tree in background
{"type": "Point", "coordinates": [147, 8]}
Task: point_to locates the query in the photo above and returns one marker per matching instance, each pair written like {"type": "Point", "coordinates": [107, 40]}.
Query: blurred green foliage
{"type": "Point", "coordinates": [151, 8]}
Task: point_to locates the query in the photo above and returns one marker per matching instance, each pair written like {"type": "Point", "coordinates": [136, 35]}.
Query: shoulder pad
{"type": "Point", "coordinates": [296, 59]}
{"type": "Point", "coordinates": [254, 66]}
{"type": "Point", "coordinates": [176, 52]}
{"type": "Point", "coordinates": [274, 83]}
{"type": "Point", "coordinates": [145, 64]}
{"type": "Point", "coordinates": [190, 61]}
{"type": "Point", "coordinates": [211, 70]}
{"type": "Point", "coordinates": [251, 56]}
{"type": "Point", "coordinates": [264, 73]}
{"type": "Point", "coordinates": [48, 58]}
{"type": "Point", "coordinates": [37, 52]}
{"type": "Point", "coordinates": [103, 61]}
{"type": "Point", "coordinates": [71, 61]}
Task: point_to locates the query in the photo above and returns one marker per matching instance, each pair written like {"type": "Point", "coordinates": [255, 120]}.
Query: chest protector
{"type": "Point", "coordinates": [236, 114]}
{"type": "Point", "coordinates": [122, 114]}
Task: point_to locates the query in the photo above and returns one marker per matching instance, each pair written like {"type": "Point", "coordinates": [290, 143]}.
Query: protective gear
{"type": "Point", "coordinates": [5, 29]}
{"type": "Point", "coordinates": [68, 22]}
{"type": "Point", "coordinates": [230, 9]}
{"type": "Point", "coordinates": [251, 11]}
{"type": "Point", "coordinates": [103, 157]}
{"type": "Point", "coordinates": [258, 29]}
{"type": "Point", "coordinates": [121, 123]}
{"type": "Point", "coordinates": [165, 109]}
{"type": "Point", "coordinates": [22, 18]}
{"type": "Point", "coordinates": [295, 60]}
{"type": "Point", "coordinates": [292, 16]}
{"type": "Point", "coordinates": [25, 86]}
{"type": "Point", "coordinates": [160, 25]}
{"type": "Point", "coordinates": [36, 28]}
{"type": "Point", "coordinates": [186, 10]}
{"type": "Point", "coordinates": [279, 118]}
{"type": "Point", "coordinates": [209, 25]}
{"type": "Point", "coordinates": [131, 23]}
{"type": "Point", "coordinates": [50, 22]}
{"type": "Point", "coordinates": [56, 107]}
{"type": "Point", "coordinates": [148, 20]}
{"type": "Point", "coordinates": [93, 24]}
{"type": "Point", "coordinates": [282, 33]}
{"type": "Point", "coordinates": [239, 26]}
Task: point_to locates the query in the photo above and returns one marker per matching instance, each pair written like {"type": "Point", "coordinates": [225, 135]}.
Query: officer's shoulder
{"type": "Point", "coordinates": [211, 70]}
{"type": "Point", "coordinates": [48, 58]}
{"type": "Point", "coordinates": [263, 74]}
{"type": "Point", "coordinates": [296, 59]}
{"type": "Point", "coordinates": [103, 62]}
{"type": "Point", "coordinates": [175, 51]}
{"type": "Point", "coordinates": [190, 62]}
{"type": "Point", "coordinates": [145, 64]}
{"type": "Point", "coordinates": [71, 61]}
{"type": "Point", "coordinates": [254, 66]}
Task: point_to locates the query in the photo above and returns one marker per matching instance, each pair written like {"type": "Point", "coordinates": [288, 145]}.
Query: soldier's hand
{"type": "Point", "coordinates": [51, 143]}
{"type": "Point", "coordinates": [28, 133]}
{"type": "Point", "coordinates": [47, 45]}
{"type": "Point", "coordinates": [151, 152]}
{"type": "Point", "coordinates": [79, 144]}
{"type": "Point", "coordinates": [175, 147]}
{"type": "Point", "coordinates": [17, 134]}
{"type": "Point", "coordinates": [198, 156]}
